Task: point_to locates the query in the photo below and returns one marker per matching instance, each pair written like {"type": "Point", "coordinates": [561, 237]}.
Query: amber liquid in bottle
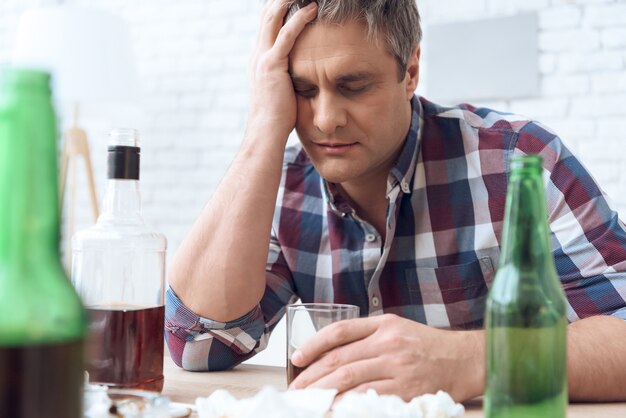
{"type": "Point", "coordinates": [125, 347]}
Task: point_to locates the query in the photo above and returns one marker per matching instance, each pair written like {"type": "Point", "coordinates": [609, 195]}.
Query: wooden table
{"type": "Point", "coordinates": [245, 381]}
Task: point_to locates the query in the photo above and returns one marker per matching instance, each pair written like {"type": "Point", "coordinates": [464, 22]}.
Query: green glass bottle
{"type": "Point", "coordinates": [525, 317]}
{"type": "Point", "coordinates": [42, 321]}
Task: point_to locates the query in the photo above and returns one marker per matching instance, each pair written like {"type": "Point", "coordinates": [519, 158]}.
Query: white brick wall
{"type": "Point", "coordinates": [192, 57]}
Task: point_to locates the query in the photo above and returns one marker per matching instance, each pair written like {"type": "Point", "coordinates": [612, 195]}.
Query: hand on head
{"type": "Point", "coordinates": [273, 101]}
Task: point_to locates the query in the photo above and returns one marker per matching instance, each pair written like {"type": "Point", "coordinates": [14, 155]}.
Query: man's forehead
{"type": "Point", "coordinates": [322, 37]}
{"type": "Point", "coordinates": [333, 45]}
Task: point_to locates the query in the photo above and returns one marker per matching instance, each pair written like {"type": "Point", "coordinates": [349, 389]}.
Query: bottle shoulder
{"type": "Point", "coordinates": [41, 308]}
{"type": "Point", "coordinates": [119, 235]}
{"type": "Point", "coordinates": [519, 291]}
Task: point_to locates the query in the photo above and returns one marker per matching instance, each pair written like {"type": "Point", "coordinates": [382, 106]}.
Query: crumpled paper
{"type": "Point", "coordinates": [97, 404]}
{"type": "Point", "coordinates": [372, 405]}
{"type": "Point", "coordinates": [315, 403]}
{"type": "Point", "coordinates": [304, 403]}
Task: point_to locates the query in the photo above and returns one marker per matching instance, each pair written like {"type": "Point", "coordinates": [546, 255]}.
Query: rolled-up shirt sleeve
{"type": "Point", "coordinates": [201, 344]}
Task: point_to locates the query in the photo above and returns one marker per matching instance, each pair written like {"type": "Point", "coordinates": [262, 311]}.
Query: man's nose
{"type": "Point", "coordinates": [329, 113]}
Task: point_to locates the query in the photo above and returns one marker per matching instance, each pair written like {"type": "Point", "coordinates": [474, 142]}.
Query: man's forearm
{"type": "Point", "coordinates": [597, 359]}
{"type": "Point", "coordinates": [218, 271]}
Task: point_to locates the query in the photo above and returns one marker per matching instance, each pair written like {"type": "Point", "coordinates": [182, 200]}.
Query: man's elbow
{"type": "Point", "coordinates": [213, 362]}
{"type": "Point", "coordinates": [176, 347]}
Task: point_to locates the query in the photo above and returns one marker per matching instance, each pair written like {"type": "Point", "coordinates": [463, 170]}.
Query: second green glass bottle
{"type": "Point", "coordinates": [525, 319]}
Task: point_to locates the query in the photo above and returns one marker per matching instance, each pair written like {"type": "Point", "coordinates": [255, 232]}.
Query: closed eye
{"type": "Point", "coordinates": [353, 89]}
{"type": "Point", "coordinates": [305, 92]}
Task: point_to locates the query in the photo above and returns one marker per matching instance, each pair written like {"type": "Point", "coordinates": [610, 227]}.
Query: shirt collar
{"type": "Point", "coordinates": [404, 168]}
{"type": "Point", "coordinates": [401, 172]}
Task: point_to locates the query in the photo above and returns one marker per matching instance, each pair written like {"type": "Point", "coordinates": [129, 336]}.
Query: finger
{"type": "Point", "coordinates": [353, 375]}
{"type": "Point", "coordinates": [268, 15]}
{"type": "Point", "coordinates": [333, 336]}
{"type": "Point", "coordinates": [337, 358]}
{"type": "Point", "coordinates": [288, 34]}
{"type": "Point", "coordinates": [271, 22]}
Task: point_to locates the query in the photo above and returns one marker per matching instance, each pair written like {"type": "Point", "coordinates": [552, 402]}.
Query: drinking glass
{"type": "Point", "coordinates": [305, 319]}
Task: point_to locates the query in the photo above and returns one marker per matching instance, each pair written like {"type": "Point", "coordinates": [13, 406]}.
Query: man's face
{"type": "Point", "coordinates": [353, 112]}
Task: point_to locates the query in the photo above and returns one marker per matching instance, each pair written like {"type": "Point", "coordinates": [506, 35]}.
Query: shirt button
{"type": "Point", "coordinates": [375, 301]}
{"type": "Point", "coordinates": [370, 237]}
{"type": "Point", "coordinates": [405, 186]}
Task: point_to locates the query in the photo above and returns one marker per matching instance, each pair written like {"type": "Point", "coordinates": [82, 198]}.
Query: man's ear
{"type": "Point", "coordinates": [412, 72]}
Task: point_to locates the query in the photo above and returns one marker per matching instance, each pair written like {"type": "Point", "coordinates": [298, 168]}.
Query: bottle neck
{"type": "Point", "coordinates": [525, 238]}
{"type": "Point", "coordinates": [122, 201]}
{"type": "Point", "coordinates": [29, 205]}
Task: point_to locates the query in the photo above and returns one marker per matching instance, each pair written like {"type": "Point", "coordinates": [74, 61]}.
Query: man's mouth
{"type": "Point", "coordinates": [335, 148]}
{"type": "Point", "coordinates": [335, 144]}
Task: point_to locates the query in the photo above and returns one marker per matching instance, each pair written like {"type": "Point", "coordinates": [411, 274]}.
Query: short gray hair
{"type": "Point", "coordinates": [398, 20]}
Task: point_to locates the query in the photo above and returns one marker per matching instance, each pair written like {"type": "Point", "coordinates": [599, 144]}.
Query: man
{"type": "Point", "coordinates": [391, 203]}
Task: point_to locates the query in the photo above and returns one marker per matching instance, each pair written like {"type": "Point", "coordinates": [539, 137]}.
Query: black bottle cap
{"type": "Point", "coordinates": [123, 162]}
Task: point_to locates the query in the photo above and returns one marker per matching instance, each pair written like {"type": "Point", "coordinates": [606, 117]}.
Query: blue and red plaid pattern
{"type": "Point", "coordinates": [446, 205]}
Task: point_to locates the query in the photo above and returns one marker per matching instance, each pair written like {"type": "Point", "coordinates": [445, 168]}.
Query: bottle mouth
{"type": "Point", "coordinates": [530, 164]}
{"type": "Point", "coordinates": [126, 137]}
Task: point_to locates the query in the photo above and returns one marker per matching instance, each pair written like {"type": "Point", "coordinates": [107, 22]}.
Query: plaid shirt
{"type": "Point", "coordinates": [446, 197]}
